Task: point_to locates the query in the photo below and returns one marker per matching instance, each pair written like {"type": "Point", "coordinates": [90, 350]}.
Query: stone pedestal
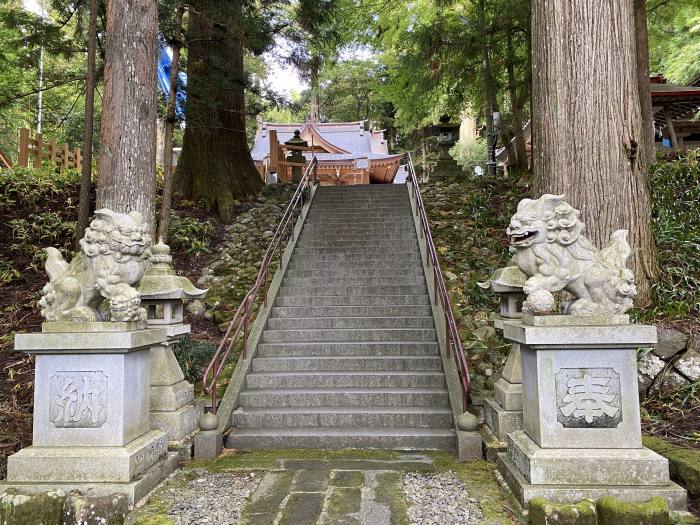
{"type": "Point", "coordinates": [581, 433]}
{"type": "Point", "coordinates": [172, 408]}
{"type": "Point", "coordinates": [91, 412]}
{"type": "Point", "coordinates": [504, 412]}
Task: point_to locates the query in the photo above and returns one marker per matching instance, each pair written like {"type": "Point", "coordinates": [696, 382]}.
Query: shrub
{"type": "Point", "coordinates": [470, 155]}
{"type": "Point", "coordinates": [190, 234]}
{"type": "Point", "coordinates": [676, 225]}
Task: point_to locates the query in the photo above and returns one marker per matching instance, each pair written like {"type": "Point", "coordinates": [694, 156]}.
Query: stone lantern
{"type": "Point", "coordinates": [448, 134]}
{"type": "Point", "coordinates": [504, 411]}
{"type": "Point", "coordinates": [296, 155]}
{"type": "Point", "coordinates": [508, 283]}
{"type": "Point", "coordinates": [172, 398]}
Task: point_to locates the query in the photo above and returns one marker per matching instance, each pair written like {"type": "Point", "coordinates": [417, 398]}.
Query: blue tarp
{"type": "Point", "coordinates": [163, 74]}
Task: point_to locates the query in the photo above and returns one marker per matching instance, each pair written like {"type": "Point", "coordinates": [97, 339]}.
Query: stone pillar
{"type": "Point", "coordinates": [172, 406]}
{"type": "Point", "coordinates": [91, 412]}
{"type": "Point", "coordinates": [581, 436]}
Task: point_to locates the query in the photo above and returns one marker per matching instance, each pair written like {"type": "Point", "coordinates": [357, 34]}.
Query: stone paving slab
{"type": "Point", "coordinates": [335, 488]}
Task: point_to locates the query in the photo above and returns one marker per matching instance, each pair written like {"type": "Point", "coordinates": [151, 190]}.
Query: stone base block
{"type": "Point", "coordinates": [176, 424]}
{"type": "Point", "coordinates": [135, 490]}
{"type": "Point", "coordinates": [508, 395]}
{"type": "Point", "coordinates": [501, 421]}
{"type": "Point", "coordinates": [585, 466]}
{"type": "Point", "coordinates": [524, 491]}
{"type": "Point", "coordinates": [87, 464]}
{"type": "Point", "coordinates": [490, 444]}
{"type": "Point", "coordinates": [184, 448]}
{"type": "Point", "coordinates": [208, 444]}
{"type": "Point", "coordinates": [171, 397]}
{"type": "Point", "coordinates": [468, 445]}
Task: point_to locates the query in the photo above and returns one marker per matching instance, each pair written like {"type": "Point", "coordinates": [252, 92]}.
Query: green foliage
{"type": "Point", "coordinates": [190, 234]}
{"type": "Point", "coordinates": [676, 224]}
{"type": "Point", "coordinates": [37, 209]}
{"type": "Point", "coordinates": [674, 39]}
{"type": "Point", "coordinates": [194, 357]}
{"type": "Point", "coordinates": [470, 155]}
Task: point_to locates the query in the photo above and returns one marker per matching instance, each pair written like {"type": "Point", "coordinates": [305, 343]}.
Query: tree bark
{"type": "Point", "coordinates": [641, 33]}
{"type": "Point", "coordinates": [86, 173]}
{"type": "Point", "coordinates": [587, 122]}
{"type": "Point", "coordinates": [127, 180]}
{"type": "Point", "coordinates": [489, 89]}
{"type": "Point", "coordinates": [215, 165]}
{"type": "Point", "coordinates": [315, 89]}
{"type": "Point", "coordinates": [170, 119]}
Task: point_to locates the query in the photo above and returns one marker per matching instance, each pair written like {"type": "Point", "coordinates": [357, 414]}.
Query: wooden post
{"type": "Point", "coordinates": [671, 128]}
{"type": "Point", "coordinates": [64, 160]}
{"type": "Point", "coordinates": [38, 150]}
{"type": "Point", "coordinates": [23, 155]}
{"type": "Point", "coordinates": [78, 159]}
{"type": "Point", "coordinates": [274, 151]}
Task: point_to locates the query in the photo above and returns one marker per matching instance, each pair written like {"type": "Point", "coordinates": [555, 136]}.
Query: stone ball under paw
{"type": "Point", "coordinates": [540, 302]}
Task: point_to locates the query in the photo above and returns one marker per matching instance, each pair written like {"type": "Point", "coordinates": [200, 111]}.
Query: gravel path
{"type": "Point", "coordinates": [439, 499]}
{"type": "Point", "coordinates": [212, 498]}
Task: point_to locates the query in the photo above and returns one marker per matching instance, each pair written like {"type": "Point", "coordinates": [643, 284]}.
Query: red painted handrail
{"type": "Point", "coordinates": [453, 344]}
{"type": "Point", "coordinates": [239, 324]}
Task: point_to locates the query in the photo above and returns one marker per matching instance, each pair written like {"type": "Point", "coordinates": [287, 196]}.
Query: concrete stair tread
{"type": "Point", "coordinates": [346, 390]}
{"type": "Point", "coordinates": [389, 431]}
{"type": "Point", "coordinates": [345, 410]}
{"type": "Point", "coordinates": [358, 373]}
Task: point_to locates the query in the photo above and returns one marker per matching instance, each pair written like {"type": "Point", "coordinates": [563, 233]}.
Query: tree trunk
{"type": "Point", "coordinates": [170, 119]}
{"type": "Point", "coordinates": [587, 123]}
{"type": "Point", "coordinates": [315, 89]}
{"type": "Point", "coordinates": [641, 33]}
{"type": "Point", "coordinates": [86, 174]}
{"type": "Point", "coordinates": [127, 175]}
{"type": "Point", "coordinates": [215, 165]}
{"type": "Point", "coordinates": [489, 90]}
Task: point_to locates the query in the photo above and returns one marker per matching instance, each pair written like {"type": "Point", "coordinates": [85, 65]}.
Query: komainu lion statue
{"type": "Point", "coordinates": [547, 243]}
{"type": "Point", "coordinates": [113, 257]}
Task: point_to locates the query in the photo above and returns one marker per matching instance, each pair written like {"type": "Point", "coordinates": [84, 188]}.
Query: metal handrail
{"type": "Point", "coordinates": [453, 344]}
{"type": "Point", "coordinates": [239, 324]}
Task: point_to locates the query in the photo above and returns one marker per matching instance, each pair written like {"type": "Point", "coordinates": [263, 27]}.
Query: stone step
{"type": "Point", "coordinates": [345, 245]}
{"type": "Point", "coordinates": [354, 272]}
{"type": "Point", "coordinates": [370, 260]}
{"type": "Point", "coordinates": [414, 289]}
{"type": "Point", "coordinates": [328, 323]}
{"type": "Point", "coordinates": [347, 363]}
{"type": "Point", "coordinates": [359, 229]}
{"type": "Point", "coordinates": [286, 312]}
{"type": "Point", "coordinates": [370, 252]}
{"type": "Point", "coordinates": [355, 264]}
{"type": "Point", "coordinates": [343, 349]}
{"type": "Point", "coordinates": [345, 379]}
{"type": "Point", "coordinates": [372, 203]}
{"type": "Point", "coordinates": [340, 438]}
{"type": "Point", "coordinates": [330, 235]}
{"type": "Point", "coordinates": [352, 300]}
{"type": "Point", "coordinates": [392, 216]}
{"type": "Point", "coordinates": [356, 418]}
{"type": "Point", "coordinates": [345, 397]}
{"type": "Point", "coordinates": [349, 334]}
{"type": "Point", "coordinates": [345, 282]}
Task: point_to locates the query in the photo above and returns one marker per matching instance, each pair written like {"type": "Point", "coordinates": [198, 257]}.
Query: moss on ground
{"type": "Point", "coordinates": [389, 492]}
{"type": "Point", "coordinates": [612, 511]}
{"type": "Point", "coordinates": [684, 463]}
{"type": "Point", "coordinates": [542, 512]}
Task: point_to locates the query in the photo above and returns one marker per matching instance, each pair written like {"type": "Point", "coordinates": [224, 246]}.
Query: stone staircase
{"type": "Point", "coordinates": [349, 355]}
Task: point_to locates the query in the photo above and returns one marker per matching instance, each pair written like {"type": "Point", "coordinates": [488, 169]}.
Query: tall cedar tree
{"type": "Point", "coordinates": [216, 165]}
{"type": "Point", "coordinates": [587, 121]}
{"type": "Point", "coordinates": [127, 179]}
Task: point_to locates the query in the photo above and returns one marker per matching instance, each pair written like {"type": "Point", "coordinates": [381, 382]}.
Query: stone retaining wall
{"type": "Point", "coordinates": [672, 364]}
